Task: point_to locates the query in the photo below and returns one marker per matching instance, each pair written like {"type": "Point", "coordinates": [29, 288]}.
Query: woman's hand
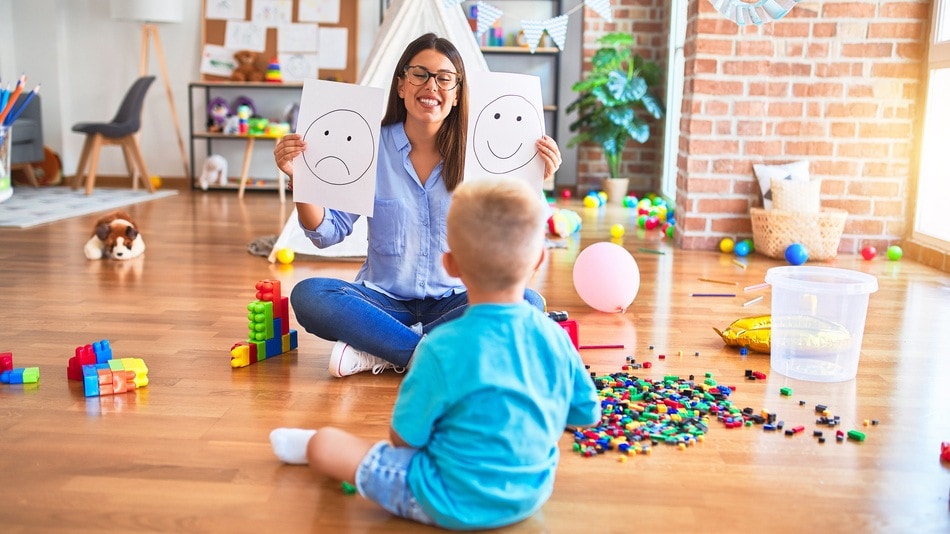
{"type": "Point", "coordinates": [551, 156]}
{"type": "Point", "coordinates": [288, 148]}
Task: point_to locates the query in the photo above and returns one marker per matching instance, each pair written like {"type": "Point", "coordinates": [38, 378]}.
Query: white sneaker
{"type": "Point", "coordinates": [346, 361]}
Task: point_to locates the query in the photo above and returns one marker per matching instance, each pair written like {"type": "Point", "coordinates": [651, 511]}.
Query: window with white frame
{"type": "Point", "coordinates": [932, 216]}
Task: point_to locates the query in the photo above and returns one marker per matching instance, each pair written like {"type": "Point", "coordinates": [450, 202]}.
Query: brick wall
{"type": "Point", "coordinates": [648, 21]}
{"type": "Point", "coordinates": [833, 82]}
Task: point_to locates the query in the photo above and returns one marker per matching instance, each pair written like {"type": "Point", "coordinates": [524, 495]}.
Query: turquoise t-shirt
{"type": "Point", "coordinates": [486, 399]}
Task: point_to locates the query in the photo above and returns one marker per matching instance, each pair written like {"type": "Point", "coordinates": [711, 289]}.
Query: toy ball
{"type": "Point", "coordinates": [156, 181]}
{"type": "Point", "coordinates": [868, 253]}
{"type": "Point", "coordinates": [651, 223]}
{"type": "Point", "coordinates": [750, 243]}
{"type": "Point", "coordinates": [645, 204]}
{"type": "Point", "coordinates": [895, 253]}
{"type": "Point", "coordinates": [606, 277]}
{"type": "Point", "coordinates": [565, 193]}
{"type": "Point", "coordinates": [642, 221]}
{"type": "Point", "coordinates": [796, 254]}
{"type": "Point", "coordinates": [591, 201]}
{"type": "Point", "coordinates": [741, 248]}
{"type": "Point", "coordinates": [630, 201]}
{"type": "Point", "coordinates": [603, 197]}
{"type": "Point", "coordinates": [285, 256]}
{"type": "Point", "coordinates": [670, 230]}
{"type": "Point", "coordinates": [727, 245]}
{"type": "Point", "coordinates": [617, 230]}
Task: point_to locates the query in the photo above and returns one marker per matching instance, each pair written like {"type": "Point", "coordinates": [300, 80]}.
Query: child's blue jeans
{"type": "Point", "coordinates": [381, 477]}
{"type": "Point", "coordinates": [370, 321]}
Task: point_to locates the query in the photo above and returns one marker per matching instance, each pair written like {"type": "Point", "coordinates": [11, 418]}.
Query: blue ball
{"type": "Point", "coordinates": [796, 254]}
{"type": "Point", "coordinates": [741, 248]}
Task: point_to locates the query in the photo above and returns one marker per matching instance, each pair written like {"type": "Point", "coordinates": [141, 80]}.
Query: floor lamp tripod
{"type": "Point", "coordinates": [150, 33]}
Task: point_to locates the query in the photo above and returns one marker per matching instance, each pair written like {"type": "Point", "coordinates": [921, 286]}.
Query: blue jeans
{"type": "Point", "coordinates": [370, 321]}
{"type": "Point", "coordinates": [381, 477]}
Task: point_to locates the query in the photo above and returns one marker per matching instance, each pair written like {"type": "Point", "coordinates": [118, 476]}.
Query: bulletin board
{"type": "Point", "coordinates": [213, 32]}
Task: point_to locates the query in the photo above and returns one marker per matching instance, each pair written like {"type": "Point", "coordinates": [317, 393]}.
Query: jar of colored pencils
{"type": "Point", "coordinates": [6, 189]}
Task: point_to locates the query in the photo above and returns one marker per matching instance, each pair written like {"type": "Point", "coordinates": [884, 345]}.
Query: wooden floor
{"type": "Point", "coordinates": [190, 453]}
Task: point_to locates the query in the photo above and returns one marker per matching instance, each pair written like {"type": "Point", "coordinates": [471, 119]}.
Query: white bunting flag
{"type": "Point", "coordinates": [532, 33]}
{"type": "Point", "coordinates": [602, 7]}
{"type": "Point", "coordinates": [557, 29]}
{"type": "Point", "coordinates": [487, 15]}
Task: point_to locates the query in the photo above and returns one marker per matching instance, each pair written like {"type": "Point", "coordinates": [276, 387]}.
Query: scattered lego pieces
{"type": "Point", "coordinates": [348, 489]}
{"type": "Point", "coordinates": [786, 392]}
{"type": "Point", "coordinates": [945, 452]}
{"type": "Point", "coordinates": [856, 435]}
{"type": "Point", "coordinates": [16, 375]}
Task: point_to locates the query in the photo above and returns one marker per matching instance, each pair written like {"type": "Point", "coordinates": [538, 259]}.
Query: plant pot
{"type": "Point", "coordinates": [616, 189]}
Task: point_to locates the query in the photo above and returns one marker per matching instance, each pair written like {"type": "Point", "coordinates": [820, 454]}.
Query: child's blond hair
{"type": "Point", "coordinates": [496, 232]}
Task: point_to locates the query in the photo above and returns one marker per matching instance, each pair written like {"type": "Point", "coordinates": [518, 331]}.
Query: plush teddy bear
{"type": "Point", "coordinates": [247, 69]}
{"type": "Point", "coordinates": [115, 236]}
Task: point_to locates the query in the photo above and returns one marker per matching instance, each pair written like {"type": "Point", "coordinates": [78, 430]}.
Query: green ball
{"type": "Point", "coordinates": [894, 253]}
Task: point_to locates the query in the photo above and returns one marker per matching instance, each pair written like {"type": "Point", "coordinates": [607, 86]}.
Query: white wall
{"type": "Point", "coordinates": [86, 61]}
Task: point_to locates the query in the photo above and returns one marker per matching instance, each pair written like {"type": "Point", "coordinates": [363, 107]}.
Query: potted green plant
{"type": "Point", "coordinates": [613, 104]}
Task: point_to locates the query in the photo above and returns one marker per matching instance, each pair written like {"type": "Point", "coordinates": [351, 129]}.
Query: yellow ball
{"type": "Point", "coordinates": [591, 202]}
{"type": "Point", "coordinates": [156, 181]}
{"type": "Point", "coordinates": [617, 230]}
{"type": "Point", "coordinates": [285, 255]}
{"type": "Point", "coordinates": [727, 245]}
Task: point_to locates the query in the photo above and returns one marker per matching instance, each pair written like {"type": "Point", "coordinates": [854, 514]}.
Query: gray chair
{"type": "Point", "coordinates": [26, 141]}
{"type": "Point", "coordinates": [120, 131]}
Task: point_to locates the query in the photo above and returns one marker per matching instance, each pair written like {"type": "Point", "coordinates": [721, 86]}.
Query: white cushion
{"type": "Point", "coordinates": [795, 171]}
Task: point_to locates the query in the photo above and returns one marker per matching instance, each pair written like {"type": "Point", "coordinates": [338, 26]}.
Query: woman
{"type": "Point", "coordinates": [402, 290]}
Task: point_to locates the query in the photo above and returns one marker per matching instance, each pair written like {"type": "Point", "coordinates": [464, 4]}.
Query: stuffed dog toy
{"type": "Point", "coordinates": [116, 236]}
{"type": "Point", "coordinates": [215, 170]}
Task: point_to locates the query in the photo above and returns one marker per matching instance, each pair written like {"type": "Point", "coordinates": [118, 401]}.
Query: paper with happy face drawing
{"type": "Point", "coordinates": [505, 121]}
{"type": "Point", "coordinates": [340, 123]}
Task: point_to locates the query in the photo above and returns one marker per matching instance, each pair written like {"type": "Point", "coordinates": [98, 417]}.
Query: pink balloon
{"type": "Point", "coordinates": [606, 277]}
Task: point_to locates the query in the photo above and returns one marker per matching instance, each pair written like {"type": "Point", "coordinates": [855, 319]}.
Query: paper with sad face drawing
{"type": "Point", "coordinates": [340, 123]}
{"type": "Point", "coordinates": [505, 121]}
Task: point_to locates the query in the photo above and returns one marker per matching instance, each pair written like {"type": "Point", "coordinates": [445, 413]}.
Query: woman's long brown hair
{"type": "Point", "coordinates": [454, 130]}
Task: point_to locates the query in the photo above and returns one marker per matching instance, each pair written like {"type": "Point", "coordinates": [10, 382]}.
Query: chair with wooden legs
{"type": "Point", "coordinates": [121, 131]}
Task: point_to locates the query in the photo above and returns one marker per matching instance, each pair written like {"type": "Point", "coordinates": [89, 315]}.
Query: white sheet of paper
{"type": "Point", "coordinates": [333, 48]}
{"type": "Point", "coordinates": [322, 11]}
{"type": "Point", "coordinates": [298, 67]}
{"type": "Point", "coordinates": [272, 13]}
{"type": "Point", "coordinates": [340, 123]}
{"type": "Point", "coordinates": [245, 36]}
{"type": "Point", "coordinates": [225, 9]}
{"type": "Point", "coordinates": [217, 60]}
{"type": "Point", "coordinates": [505, 121]}
{"type": "Point", "coordinates": [297, 38]}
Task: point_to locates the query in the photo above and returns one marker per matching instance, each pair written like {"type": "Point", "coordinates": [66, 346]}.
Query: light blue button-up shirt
{"type": "Point", "coordinates": [407, 230]}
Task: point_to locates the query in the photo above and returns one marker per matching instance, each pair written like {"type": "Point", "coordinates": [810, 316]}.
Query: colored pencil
{"type": "Point", "coordinates": [753, 301]}
{"type": "Point", "coordinates": [763, 285]}
{"type": "Point", "coordinates": [739, 263]}
{"type": "Point", "coordinates": [13, 97]}
{"type": "Point", "coordinates": [4, 96]}
{"type": "Point", "coordinates": [600, 347]}
{"type": "Point", "coordinates": [712, 294]}
{"type": "Point", "coordinates": [719, 281]}
{"type": "Point", "coordinates": [15, 114]}
{"type": "Point", "coordinates": [651, 251]}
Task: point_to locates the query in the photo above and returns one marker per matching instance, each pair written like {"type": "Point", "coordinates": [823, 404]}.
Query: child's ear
{"type": "Point", "coordinates": [541, 258]}
{"type": "Point", "coordinates": [448, 261]}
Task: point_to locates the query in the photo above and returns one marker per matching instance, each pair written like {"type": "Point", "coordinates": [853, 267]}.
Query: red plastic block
{"type": "Point", "coordinates": [571, 327]}
{"type": "Point", "coordinates": [6, 361]}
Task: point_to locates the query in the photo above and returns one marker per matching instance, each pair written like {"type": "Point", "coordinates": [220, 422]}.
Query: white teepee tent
{"type": "Point", "coordinates": [404, 21]}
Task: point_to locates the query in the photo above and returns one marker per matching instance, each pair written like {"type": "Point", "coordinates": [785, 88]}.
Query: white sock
{"type": "Point", "coordinates": [290, 444]}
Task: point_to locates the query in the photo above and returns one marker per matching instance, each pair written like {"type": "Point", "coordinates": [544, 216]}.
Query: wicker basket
{"type": "Point", "coordinates": [774, 230]}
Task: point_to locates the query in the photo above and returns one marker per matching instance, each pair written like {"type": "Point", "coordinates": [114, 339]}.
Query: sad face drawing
{"type": "Point", "coordinates": [505, 133]}
{"type": "Point", "coordinates": [345, 147]}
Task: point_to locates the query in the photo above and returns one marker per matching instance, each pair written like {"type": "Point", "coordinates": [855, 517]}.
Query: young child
{"type": "Point", "coordinates": [473, 442]}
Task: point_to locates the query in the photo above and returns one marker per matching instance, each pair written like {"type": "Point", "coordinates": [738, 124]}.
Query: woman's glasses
{"type": "Point", "coordinates": [418, 75]}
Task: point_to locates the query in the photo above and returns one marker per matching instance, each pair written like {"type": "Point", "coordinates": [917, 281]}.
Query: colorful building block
{"type": "Point", "coordinates": [22, 375]}
{"type": "Point", "coordinates": [114, 376]}
{"type": "Point", "coordinates": [6, 361]}
{"type": "Point", "coordinates": [269, 332]}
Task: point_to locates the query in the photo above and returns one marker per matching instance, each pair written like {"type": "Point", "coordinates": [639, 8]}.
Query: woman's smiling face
{"type": "Point", "coordinates": [428, 102]}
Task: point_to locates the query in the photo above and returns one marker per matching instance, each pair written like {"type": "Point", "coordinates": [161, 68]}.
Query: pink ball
{"type": "Point", "coordinates": [606, 277]}
{"type": "Point", "coordinates": [565, 193]}
{"type": "Point", "coordinates": [868, 252]}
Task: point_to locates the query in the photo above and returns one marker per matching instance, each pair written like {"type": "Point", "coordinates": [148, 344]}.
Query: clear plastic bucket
{"type": "Point", "coordinates": [818, 316]}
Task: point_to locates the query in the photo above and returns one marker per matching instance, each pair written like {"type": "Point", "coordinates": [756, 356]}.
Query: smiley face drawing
{"type": "Point", "coordinates": [505, 133]}
{"type": "Point", "coordinates": [344, 147]}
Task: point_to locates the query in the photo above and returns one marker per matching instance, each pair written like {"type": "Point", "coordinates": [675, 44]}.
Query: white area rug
{"type": "Point", "coordinates": [32, 206]}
